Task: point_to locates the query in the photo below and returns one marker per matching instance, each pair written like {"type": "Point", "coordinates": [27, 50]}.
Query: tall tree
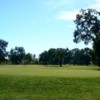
{"type": "Point", "coordinates": [88, 29]}
{"type": "Point", "coordinates": [60, 54]}
{"type": "Point", "coordinates": [54, 56]}
{"type": "Point", "coordinates": [27, 59]}
{"type": "Point", "coordinates": [43, 58]}
{"type": "Point", "coordinates": [3, 45]}
{"type": "Point", "coordinates": [16, 55]}
{"type": "Point", "coordinates": [67, 56]}
{"type": "Point", "coordinates": [85, 56]}
{"type": "Point", "coordinates": [75, 56]}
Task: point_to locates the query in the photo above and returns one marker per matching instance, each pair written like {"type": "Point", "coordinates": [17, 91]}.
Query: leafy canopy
{"type": "Point", "coordinates": [87, 26]}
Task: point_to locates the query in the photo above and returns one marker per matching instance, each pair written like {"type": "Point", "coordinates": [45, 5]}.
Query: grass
{"type": "Point", "coordinates": [49, 83]}
{"type": "Point", "coordinates": [50, 71]}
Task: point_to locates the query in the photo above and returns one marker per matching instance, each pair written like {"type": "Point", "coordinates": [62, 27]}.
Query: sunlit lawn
{"type": "Point", "coordinates": [54, 71]}
{"type": "Point", "coordinates": [38, 82]}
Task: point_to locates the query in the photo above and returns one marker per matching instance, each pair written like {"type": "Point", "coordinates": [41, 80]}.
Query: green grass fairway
{"type": "Point", "coordinates": [37, 82]}
{"type": "Point", "coordinates": [50, 71]}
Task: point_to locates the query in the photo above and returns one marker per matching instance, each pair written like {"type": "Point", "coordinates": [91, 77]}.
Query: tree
{"type": "Point", "coordinates": [85, 56]}
{"type": "Point", "coordinates": [75, 53]}
{"type": "Point", "coordinates": [96, 48]}
{"type": "Point", "coordinates": [60, 54]}
{"type": "Point", "coordinates": [34, 59]}
{"type": "Point", "coordinates": [67, 56]}
{"type": "Point", "coordinates": [88, 29]}
{"type": "Point", "coordinates": [80, 57]}
{"type": "Point", "coordinates": [43, 58]}
{"type": "Point", "coordinates": [3, 45]}
{"type": "Point", "coordinates": [53, 56]}
{"type": "Point", "coordinates": [92, 57]}
{"type": "Point", "coordinates": [27, 58]}
{"type": "Point", "coordinates": [16, 55]}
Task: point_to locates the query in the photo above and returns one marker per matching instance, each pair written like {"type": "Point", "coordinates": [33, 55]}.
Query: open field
{"type": "Point", "coordinates": [50, 71]}
{"type": "Point", "coordinates": [34, 82]}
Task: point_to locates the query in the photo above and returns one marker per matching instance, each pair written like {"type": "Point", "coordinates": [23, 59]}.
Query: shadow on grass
{"type": "Point", "coordinates": [79, 67]}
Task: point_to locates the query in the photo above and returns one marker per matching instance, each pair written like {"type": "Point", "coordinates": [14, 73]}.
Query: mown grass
{"type": "Point", "coordinates": [50, 71]}
{"type": "Point", "coordinates": [49, 83]}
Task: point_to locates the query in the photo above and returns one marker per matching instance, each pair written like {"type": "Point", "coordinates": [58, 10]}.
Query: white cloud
{"type": "Point", "coordinates": [63, 2]}
{"type": "Point", "coordinates": [70, 15]}
{"type": "Point", "coordinates": [95, 5]}
{"type": "Point", "coordinates": [57, 3]}
{"type": "Point", "coordinates": [67, 15]}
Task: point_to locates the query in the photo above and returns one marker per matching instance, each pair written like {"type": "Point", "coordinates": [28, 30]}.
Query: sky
{"type": "Point", "coordinates": [38, 25]}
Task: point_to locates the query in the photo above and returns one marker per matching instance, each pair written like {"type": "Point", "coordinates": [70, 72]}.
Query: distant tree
{"type": "Point", "coordinates": [88, 29]}
{"type": "Point", "coordinates": [53, 56]}
{"type": "Point", "coordinates": [34, 59]}
{"type": "Point", "coordinates": [60, 54]}
{"type": "Point", "coordinates": [43, 58]}
{"type": "Point", "coordinates": [27, 59]}
{"type": "Point", "coordinates": [3, 53]}
{"type": "Point", "coordinates": [16, 55]}
{"type": "Point", "coordinates": [75, 56]}
{"type": "Point", "coordinates": [85, 56]}
{"type": "Point", "coordinates": [93, 57]}
{"type": "Point", "coordinates": [67, 56]}
{"type": "Point", "coordinates": [80, 57]}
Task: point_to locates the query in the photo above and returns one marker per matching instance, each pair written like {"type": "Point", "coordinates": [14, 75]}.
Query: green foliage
{"type": "Point", "coordinates": [96, 48]}
{"type": "Point", "coordinates": [3, 53]}
{"type": "Point", "coordinates": [65, 56]}
{"type": "Point", "coordinates": [27, 59]}
{"type": "Point", "coordinates": [88, 29]}
{"type": "Point", "coordinates": [16, 55]}
{"type": "Point", "coordinates": [53, 56]}
{"type": "Point", "coordinates": [88, 26]}
{"type": "Point", "coordinates": [43, 58]}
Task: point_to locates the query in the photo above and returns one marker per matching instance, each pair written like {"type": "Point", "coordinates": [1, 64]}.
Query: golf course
{"type": "Point", "coordinates": [49, 50]}
{"type": "Point", "coordinates": [49, 82]}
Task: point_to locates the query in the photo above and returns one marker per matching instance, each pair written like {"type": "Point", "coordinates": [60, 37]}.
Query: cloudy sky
{"type": "Point", "coordinates": [38, 25]}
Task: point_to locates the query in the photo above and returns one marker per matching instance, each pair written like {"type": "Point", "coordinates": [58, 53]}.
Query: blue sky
{"type": "Point", "coordinates": [38, 25]}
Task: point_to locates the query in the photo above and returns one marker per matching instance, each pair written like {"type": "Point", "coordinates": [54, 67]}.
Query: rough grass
{"type": "Point", "coordinates": [49, 83]}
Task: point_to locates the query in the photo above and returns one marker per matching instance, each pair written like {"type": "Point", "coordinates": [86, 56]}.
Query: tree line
{"type": "Point", "coordinates": [87, 30]}
{"type": "Point", "coordinates": [53, 56]}
{"type": "Point", "coordinates": [16, 55]}
{"type": "Point", "coordinates": [62, 56]}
